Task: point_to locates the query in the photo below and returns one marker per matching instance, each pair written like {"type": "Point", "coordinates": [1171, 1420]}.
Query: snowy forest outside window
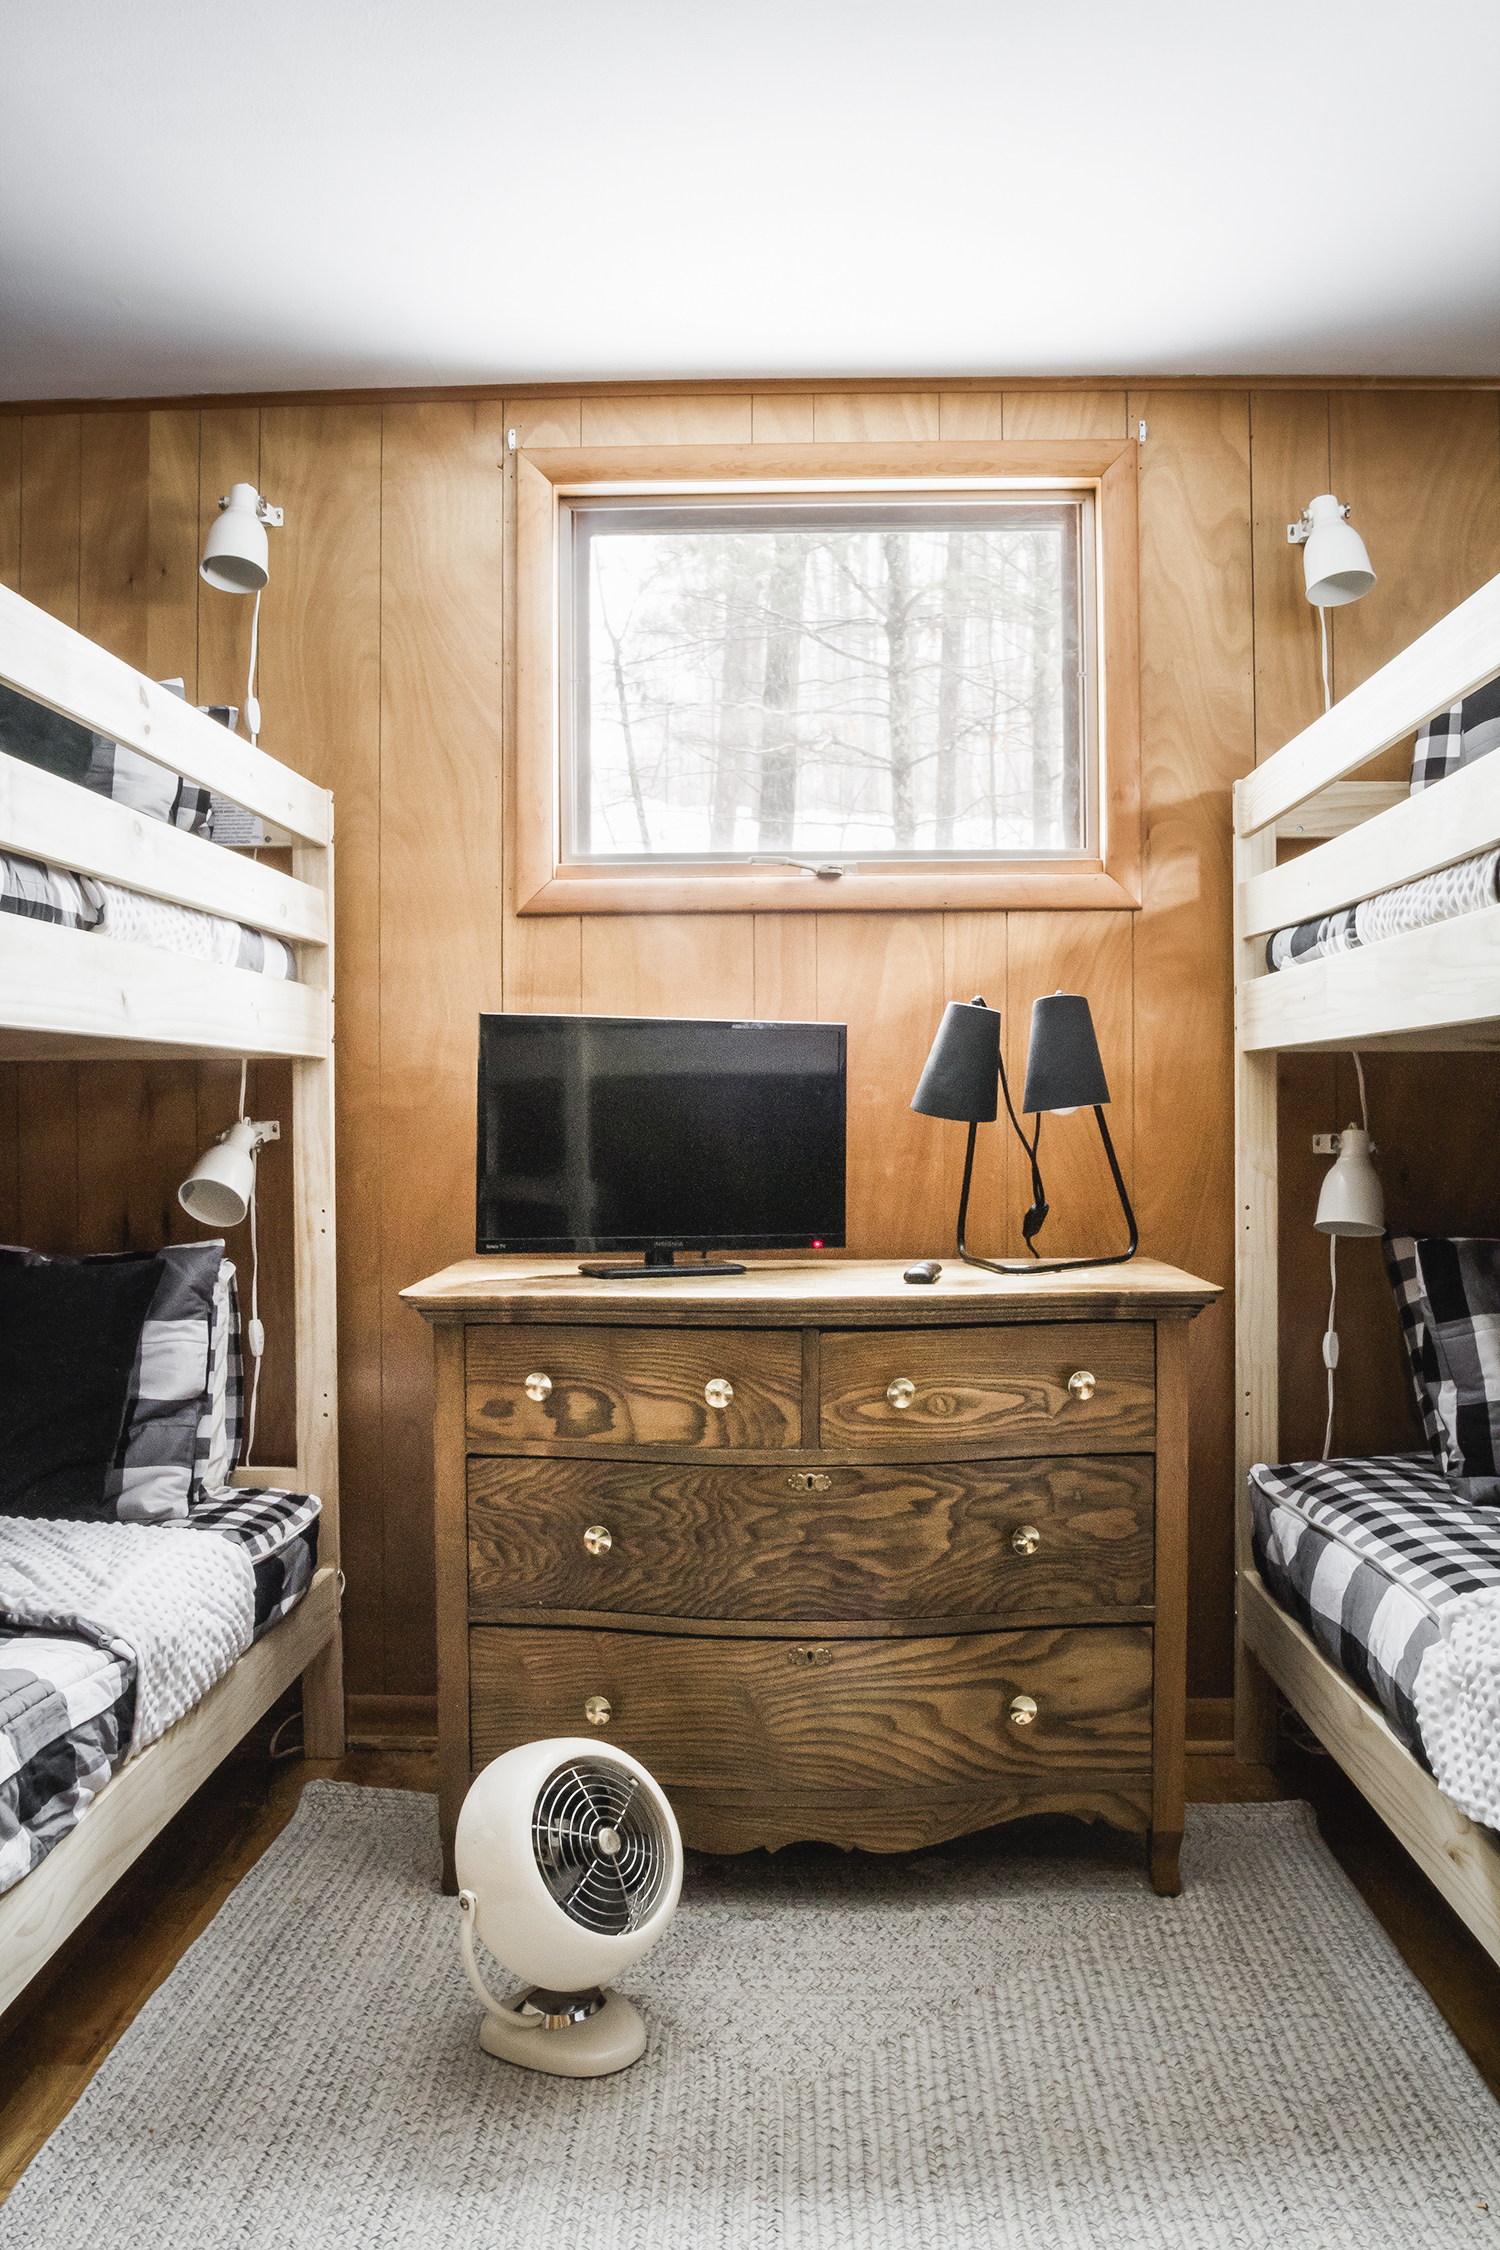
{"type": "Point", "coordinates": [861, 677]}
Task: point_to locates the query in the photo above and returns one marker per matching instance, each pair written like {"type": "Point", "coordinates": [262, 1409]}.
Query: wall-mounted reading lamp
{"type": "Point", "coordinates": [219, 1192]}
{"type": "Point", "coordinates": [965, 1076]}
{"type": "Point", "coordinates": [1335, 565]}
{"type": "Point", "coordinates": [237, 560]}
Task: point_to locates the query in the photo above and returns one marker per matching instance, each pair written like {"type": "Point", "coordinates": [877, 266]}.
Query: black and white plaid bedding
{"type": "Point", "coordinates": [67, 1707]}
{"type": "Point", "coordinates": [1365, 1554]}
{"type": "Point", "coordinates": [1464, 889]}
{"type": "Point", "coordinates": [1456, 737]}
{"type": "Point", "coordinates": [39, 893]}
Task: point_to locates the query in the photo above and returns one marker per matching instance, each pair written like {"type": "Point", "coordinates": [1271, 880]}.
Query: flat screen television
{"type": "Point", "coordinates": [659, 1134]}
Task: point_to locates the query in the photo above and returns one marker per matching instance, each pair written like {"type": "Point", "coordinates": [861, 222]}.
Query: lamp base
{"type": "Point", "coordinates": [1045, 1265]}
{"type": "Point", "coordinates": [1049, 1265]}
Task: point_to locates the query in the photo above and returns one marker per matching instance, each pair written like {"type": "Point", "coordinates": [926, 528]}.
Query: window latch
{"type": "Point", "coordinates": [827, 871]}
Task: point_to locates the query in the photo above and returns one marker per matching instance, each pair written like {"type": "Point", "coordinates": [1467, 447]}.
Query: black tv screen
{"type": "Point", "coordinates": [632, 1132]}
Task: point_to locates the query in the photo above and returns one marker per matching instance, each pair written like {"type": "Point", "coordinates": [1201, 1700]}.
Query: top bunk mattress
{"type": "Point", "coordinates": [1456, 738]}
{"type": "Point", "coordinates": [1378, 1560]}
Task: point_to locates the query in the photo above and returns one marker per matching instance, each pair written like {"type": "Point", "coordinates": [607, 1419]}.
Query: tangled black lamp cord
{"type": "Point", "coordinates": [1032, 1223]}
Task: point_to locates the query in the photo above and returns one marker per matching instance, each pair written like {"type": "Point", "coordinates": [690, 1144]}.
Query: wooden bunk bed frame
{"type": "Point", "coordinates": [1429, 990]}
{"type": "Point", "coordinates": [72, 995]}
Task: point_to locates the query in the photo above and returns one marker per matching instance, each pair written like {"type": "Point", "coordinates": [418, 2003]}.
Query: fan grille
{"type": "Point", "coordinates": [601, 1846]}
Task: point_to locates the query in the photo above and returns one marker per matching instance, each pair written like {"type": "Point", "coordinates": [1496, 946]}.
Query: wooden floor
{"type": "Point", "coordinates": [55, 2037]}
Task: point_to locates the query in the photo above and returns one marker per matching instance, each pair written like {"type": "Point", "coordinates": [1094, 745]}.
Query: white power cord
{"type": "Point", "coordinates": [1330, 1333]}
{"type": "Point", "coordinates": [1322, 633]}
{"type": "Point", "coordinates": [252, 708]}
{"type": "Point", "coordinates": [255, 1335]}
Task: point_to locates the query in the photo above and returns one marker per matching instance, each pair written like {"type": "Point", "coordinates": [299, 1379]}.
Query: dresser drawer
{"type": "Point", "coordinates": [699, 1539]}
{"type": "Point", "coordinates": [811, 1719]}
{"type": "Point", "coordinates": [701, 1387]}
{"type": "Point", "coordinates": [1073, 1386]}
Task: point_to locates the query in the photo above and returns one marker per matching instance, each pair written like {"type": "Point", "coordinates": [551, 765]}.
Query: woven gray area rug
{"type": "Point", "coordinates": [968, 2050]}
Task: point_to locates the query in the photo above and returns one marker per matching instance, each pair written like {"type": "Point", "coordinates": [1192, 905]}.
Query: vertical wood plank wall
{"type": "Point", "coordinates": [383, 677]}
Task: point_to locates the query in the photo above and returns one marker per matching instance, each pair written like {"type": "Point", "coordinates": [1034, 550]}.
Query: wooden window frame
{"type": "Point", "coordinates": [542, 884]}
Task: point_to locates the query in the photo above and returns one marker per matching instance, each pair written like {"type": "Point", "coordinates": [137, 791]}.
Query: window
{"type": "Point", "coordinates": [869, 678]}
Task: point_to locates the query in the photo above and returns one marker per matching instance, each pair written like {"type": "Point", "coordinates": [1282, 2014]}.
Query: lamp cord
{"type": "Point", "coordinates": [254, 1279]}
{"type": "Point", "coordinates": [1330, 1340]}
{"type": "Point", "coordinates": [1056, 1265]}
{"type": "Point", "coordinates": [252, 715]}
{"type": "Point", "coordinates": [1323, 636]}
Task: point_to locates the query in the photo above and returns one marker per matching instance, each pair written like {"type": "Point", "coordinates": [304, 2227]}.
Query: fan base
{"type": "Point", "coordinates": [608, 2041]}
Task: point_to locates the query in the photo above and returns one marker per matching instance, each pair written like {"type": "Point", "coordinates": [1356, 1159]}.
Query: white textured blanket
{"type": "Point", "coordinates": [1458, 1704]}
{"type": "Point", "coordinates": [182, 1607]}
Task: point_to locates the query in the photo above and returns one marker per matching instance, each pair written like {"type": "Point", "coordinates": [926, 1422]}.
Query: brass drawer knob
{"type": "Point", "coordinates": [1081, 1385]}
{"type": "Point", "coordinates": [817, 1656]}
{"type": "Point", "coordinates": [597, 1539]}
{"type": "Point", "coordinates": [808, 1480]}
{"type": "Point", "coordinates": [538, 1387]}
{"type": "Point", "coordinates": [901, 1392]}
{"type": "Point", "coordinates": [1022, 1712]}
{"type": "Point", "coordinates": [1025, 1539]}
{"type": "Point", "coordinates": [598, 1711]}
{"type": "Point", "coordinates": [718, 1392]}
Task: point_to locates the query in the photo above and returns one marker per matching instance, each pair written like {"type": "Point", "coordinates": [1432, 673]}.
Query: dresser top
{"type": "Point", "coordinates": [810, 1292]}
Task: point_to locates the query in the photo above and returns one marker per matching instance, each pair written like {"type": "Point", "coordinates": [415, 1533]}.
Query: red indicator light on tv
{"type": "Point", "coordinates": [817, 1245]}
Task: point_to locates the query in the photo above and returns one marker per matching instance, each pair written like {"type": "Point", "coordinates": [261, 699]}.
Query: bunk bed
{"type": "Point", "coordinates": [85, 994]}
{"type": "Point", "coordinates": [1433, 987]}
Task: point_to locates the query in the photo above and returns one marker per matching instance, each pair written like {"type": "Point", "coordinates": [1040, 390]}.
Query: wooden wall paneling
{"type": "Point", "coordinates": [47, 1093]}
{"type": "Point", "coordinates": [1421, 473]}
{"type": "Point", "coordinates": [786, 967]}
{"type": "Point", "coordinates": [543, 966]}
{"type": "Point", "coordinates": [1092, 954]}
{"type": "Point", "coordinates": [440, 927]}
{"type": "Point", "coordinates": [320, 629]}
{"type": "Point", "coordinates": [879, 417]}
{"type": "Point", "coordinates": [10, 503]}
{"type": "Point", "coordinates": [675, 420]}
{"type": "Point", "coordinates": [1197, 708]}
{"type": "Point", "coordinates": [1288, 467]}
{"type": "Point", "coordinates": [976, 964]}
{"type": "Point", "coordinates": [668, 965]}
{"type": "Point", "coordinates": [545, 421]}
{"type": "Point", "coordinates": [229, 438]}
{"type": "Point", "coordinates": [971, 414]}
{"type": "Point", "coordinates": [172, 549]}
{"type": "Point", "coordinates": [1065, 414]}
{"type": "Point", "coordinates": [114, 479]}
{"type": "Point", "coordinates": [781, 417]}
{"type": "Point", "coordinates": [882, 974]}
{"type": "Point", "coordinates": [117, 1208]}
{"type": "Point", "coordinates": [10, 575]}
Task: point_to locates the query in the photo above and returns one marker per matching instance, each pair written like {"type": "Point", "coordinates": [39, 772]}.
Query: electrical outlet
{"type": "Point", "coordinates": [1325, 1144]}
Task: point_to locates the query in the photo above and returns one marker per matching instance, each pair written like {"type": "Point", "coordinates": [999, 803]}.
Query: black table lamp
{"type": "Point", "coordinates": [965, 1076]}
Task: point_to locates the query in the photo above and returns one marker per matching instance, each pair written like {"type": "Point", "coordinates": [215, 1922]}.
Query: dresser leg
{"type": "Point", "coordinates": [1164, 1845]}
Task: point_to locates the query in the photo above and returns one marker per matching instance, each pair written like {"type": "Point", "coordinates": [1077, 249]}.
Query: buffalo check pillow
{"type": "Point", "coordinates": [179, 1435]}
{"type": "Point", "coordinates": [1459, 1280]}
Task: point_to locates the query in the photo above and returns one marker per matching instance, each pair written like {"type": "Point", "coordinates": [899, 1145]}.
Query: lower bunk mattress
{"type": "Point", "coordinates": [67, 1705]}
{"type": "Point", "coordinates": [1397, 1580]}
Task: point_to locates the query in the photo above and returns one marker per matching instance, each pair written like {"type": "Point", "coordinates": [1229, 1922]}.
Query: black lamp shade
{"type": "Point", "coordinates": [1063, 1070]}
{"type": "Point", "coordinates": [962, 1077]}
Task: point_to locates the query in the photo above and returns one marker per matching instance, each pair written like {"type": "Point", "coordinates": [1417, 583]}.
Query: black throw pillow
{"type": "Point", "coordinates": [68, 1338]}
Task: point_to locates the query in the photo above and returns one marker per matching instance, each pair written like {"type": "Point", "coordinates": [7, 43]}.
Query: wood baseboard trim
{"type": "Point", "coordinates": [391, 1722]}
{"type": "Point", "coordinates": [1210, 1726]}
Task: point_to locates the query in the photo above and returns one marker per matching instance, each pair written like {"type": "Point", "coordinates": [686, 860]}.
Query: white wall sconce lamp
{"type": "Point", "coordinates": [1335, 564]}
{"type": "Point", "coordinates": [1351, 1201]}
{"type": "Point", "coordinates": [237, 560]}
{"type": "Point", "coordinates": [236, 553]}
{"type": "Point", "coordinates": [220, 1192]}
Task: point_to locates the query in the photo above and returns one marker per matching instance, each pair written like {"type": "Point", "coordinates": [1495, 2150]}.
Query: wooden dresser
{"type": "Point", "coordinates": [833, 1554]}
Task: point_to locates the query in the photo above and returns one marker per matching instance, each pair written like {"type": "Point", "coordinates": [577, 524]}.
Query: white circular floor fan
{"type": "Point", "coordinates": [569, 1868]}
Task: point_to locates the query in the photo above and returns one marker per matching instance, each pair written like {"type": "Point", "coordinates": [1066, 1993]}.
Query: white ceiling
{"type": "Point", "coordinates": [289, 194]}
